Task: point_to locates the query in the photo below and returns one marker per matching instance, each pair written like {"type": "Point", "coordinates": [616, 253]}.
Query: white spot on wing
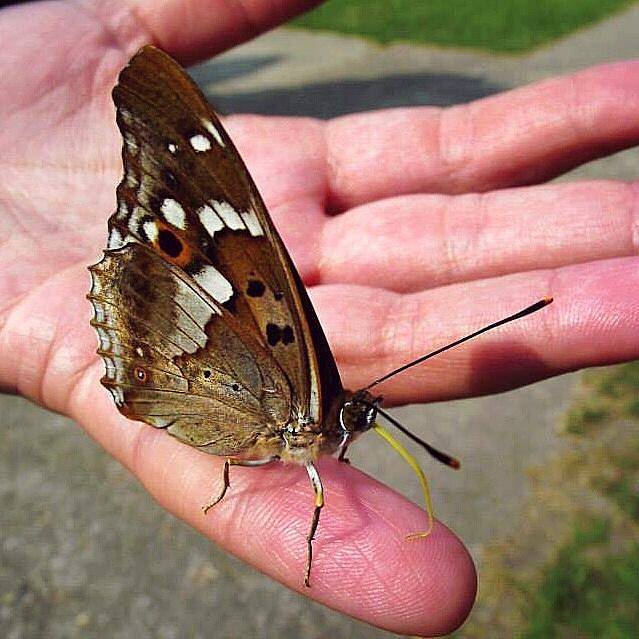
{"type": "Point", "coordinates": [109, 365]}
{"type": "Point", "coordinates": [210, 221]}
{"type": "Point", "coordinates": [123, 211]}
{"type": "Point", "coordinates": [131, 180]}
{"type": "Point", "coordinates": [200, 143]}
{"type": "Point", "coordinates": [104, 339]}
{"type": "Point", "coordinates": [131, 143]}
{"type": "Point", "coordinates": [194, 314]}
{"type": "Point", "coordinates": [115, 239]}
{"type": "Point", "coordinates": [160, 421]}
{"type": "Point", "coordinates": [151, 230]}
{"type": "Point", "coordinates": [172, 147]}
{"type": "Point", "coordinates": [173, 213]}
{"type": "Point", "coordinates": [98, 309]}
{"type": "Point", "coordinates": [118, 395]}
{"type": "Point", "coordinates": [96, 286]}
{"type": "Point", "coordinates": [126, 116]}
{"type": "Point", "coordinates": [228, 214]}
{"type": "Point", "coordinates": [252, 223]}
{"type": "Point", "coordinates": [147, 188]}
{"type": "Point", "coordinates": [109, 341]}
{"type": "Point", "coordinates": [211, 128]}
{"type": "Point", "coordinates": [214, 283]}
{"type": "Point", "coordinates": [135, 218]}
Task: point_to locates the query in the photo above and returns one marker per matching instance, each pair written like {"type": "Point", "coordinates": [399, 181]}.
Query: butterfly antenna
{"type": "Point", "coordinates": [526, 311]}
{"type": "Point", "coordinates": [444, 458]}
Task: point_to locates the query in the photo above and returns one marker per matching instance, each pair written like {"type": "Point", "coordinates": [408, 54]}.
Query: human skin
{"type": "Point", "coordinates": [457, 230]}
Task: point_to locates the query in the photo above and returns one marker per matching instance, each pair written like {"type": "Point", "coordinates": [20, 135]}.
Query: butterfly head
{"type": "Point", "coordinates": [358, 412]}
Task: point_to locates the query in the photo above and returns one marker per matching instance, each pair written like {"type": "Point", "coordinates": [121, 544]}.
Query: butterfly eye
{"type": "Point", "coordinates": [140, 374]}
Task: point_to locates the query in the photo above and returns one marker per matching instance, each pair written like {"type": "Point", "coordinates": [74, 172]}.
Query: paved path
{"type": "Point", "coordinates": [84, 552]}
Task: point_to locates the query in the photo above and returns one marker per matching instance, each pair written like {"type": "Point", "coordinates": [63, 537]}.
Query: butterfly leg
{"type": "Point", "coordinates": [342, 455]}
{"type": "Point", "coordinates": [316, 482]}
{"type": "Point", "coordinates": [344, 444]}
{"type": "Point", "coordinates": [228, 462]}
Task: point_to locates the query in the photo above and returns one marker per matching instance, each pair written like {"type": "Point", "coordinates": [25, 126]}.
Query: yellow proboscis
{"type": "Point", "coordinates": [412, 462]}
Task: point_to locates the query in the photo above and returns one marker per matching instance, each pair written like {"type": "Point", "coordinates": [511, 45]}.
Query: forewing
{"type": "Point", "coordinates": [188, 210]}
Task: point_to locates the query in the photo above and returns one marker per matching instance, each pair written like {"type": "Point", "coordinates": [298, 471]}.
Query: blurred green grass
{"type": "Point", "coordinates": [622, 485]}
{"type": "Point", "coordinates": [591, 591]}
{"type": "Point", "coordinates": [496, 25]}
{"type": "Point", "coordinates": [612, 392]}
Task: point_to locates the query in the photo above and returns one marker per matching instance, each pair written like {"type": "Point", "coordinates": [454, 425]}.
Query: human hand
{"type": "Point", "coordinates": [410, 257]}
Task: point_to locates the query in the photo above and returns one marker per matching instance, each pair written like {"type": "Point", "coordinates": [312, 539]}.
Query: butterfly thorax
{"type": "Point", "coordinates": [351, 414]}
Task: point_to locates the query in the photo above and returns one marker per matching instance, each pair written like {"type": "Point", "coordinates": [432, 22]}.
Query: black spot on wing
{"type": "Point", "coordinates": [288, 337]}
{"type": "Point", "coordinates": [273, 334]}
{"type": "Point", "coordinates": [255, 288]}
{"type": "Point", "coordinates": [169, 243]}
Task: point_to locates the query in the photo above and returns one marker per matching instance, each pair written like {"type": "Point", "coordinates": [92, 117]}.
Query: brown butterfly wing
{"type": "Point", "coordinates": [197, 279]}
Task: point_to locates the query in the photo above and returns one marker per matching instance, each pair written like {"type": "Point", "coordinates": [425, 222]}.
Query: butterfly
{"type": "Point", "coordinates": [203, 323]}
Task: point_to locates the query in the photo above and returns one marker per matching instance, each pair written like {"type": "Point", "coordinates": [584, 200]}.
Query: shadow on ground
{"type": "Point", "coordinates": [331, 99]}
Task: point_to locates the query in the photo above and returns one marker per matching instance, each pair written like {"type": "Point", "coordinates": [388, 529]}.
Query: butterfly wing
{"type": "Point", "coordinates": [203, 322]}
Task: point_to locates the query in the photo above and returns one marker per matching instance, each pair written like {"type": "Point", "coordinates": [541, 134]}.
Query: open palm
{"type": "Point", "coordinates": [405, 225]}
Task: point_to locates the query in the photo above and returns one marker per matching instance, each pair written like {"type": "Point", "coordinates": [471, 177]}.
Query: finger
{"type": "Point", "coordinates": [192, 30]}
{"type": "Point", "coordinates": [363, 565]}
{"type": "Point", "coordinates": [520, 137]}
{"type": "Point", "coordinates": [410, 243]}
{"type": "Point", "coordinates": [593, 321]}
